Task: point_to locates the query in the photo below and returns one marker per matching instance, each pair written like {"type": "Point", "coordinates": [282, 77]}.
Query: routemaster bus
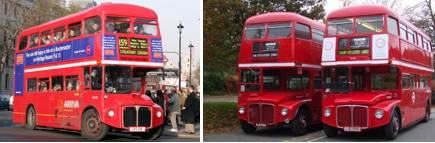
{"type": "Point", "coordinates": [279, 83]}
{"type": "Point", "coordinates": [81, 73]}
{"type": "Point", "coordinates": [376, 71]}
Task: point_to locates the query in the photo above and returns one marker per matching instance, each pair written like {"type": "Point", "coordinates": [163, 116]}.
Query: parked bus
{"type": "Point", "coordinates": [279, 64]}
{"type": "Point", "coordinates": [76, 73]}
{"type": "Point", "coordinates": [376, 71]}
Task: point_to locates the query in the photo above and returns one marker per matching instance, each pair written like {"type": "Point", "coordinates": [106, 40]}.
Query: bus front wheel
{"type": "Point", "coordinates": [392, 128]}
{"type": "Point", "coordinates": [31, 119]}
{"type": "Point", "coordinates": [300, 123]}
{"type": "Point", "coordinates": [247, 128]}
{"type": "Point", "coordinates": [153, 133]}
{"type": "Point", "coordinates": [92, 128]}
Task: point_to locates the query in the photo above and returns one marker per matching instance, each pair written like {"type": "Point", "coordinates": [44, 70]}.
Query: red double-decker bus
{"type": "Point", "coordinates": [85, 72]}
{"type": "Point", "coordinates": [376, 71]}
{"type": "Point", "coordinates": [279, 65]}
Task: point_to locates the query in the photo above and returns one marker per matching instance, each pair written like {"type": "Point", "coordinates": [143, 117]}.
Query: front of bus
{"type": "Point", "coordinates": [265, 53]}
{"type": "Point", "coordinates": [131, 47]}
{"type": "Point", "coordinates": [360, 86]}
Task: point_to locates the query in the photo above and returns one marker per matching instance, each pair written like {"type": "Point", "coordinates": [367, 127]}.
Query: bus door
{"type": "Point", "coordinates": [317, 98]}
{"type": "Point", "coordinates": [72, 100]}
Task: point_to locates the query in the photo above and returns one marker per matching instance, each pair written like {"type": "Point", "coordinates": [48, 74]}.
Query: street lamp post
{"type": "Point", "coordinates": [180, 28]}
{"type": "Point", "coordinates": [190, 64]}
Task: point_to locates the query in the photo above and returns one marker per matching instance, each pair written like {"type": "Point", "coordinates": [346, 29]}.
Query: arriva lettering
{"type": "Point", "coordinates": [71, 104]}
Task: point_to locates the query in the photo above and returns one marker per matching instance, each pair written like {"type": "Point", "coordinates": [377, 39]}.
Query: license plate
{"type": "Point", "coordinates": [260, 125]}
{"type": "Point", "coordinates": [136, 129]}
{"type": "Point", "coordinates": [352, 129]}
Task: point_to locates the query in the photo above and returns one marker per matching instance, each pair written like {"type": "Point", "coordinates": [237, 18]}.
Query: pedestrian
{"type": "Point", "coordinates": [182, 100]}
{"type": "Point", "coordinates": [174, 109]}
{"type": "Point", "coordinates": [148, 93]}
{"type": "Point", "coordinates": [159, 99]}
{"type": "Point", "coordinates": [188, 115]}
{"type": "Point", "coordinates": [166, 99]}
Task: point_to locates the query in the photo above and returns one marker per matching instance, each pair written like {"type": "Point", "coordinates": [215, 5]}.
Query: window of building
{"type": "Point", "coordinates": [92, 25]}
{"type": "Point", "coordinates": [302, 31]}
{"type": "Point", "coordinates": [392, 26]}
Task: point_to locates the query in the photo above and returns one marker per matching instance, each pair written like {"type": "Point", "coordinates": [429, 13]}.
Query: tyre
{"type": "Point", "coordinates": [392, 128]}
{"type": "Point", "coordinates": [427, 115]}
{"type": "Point", "coordinates": [300, 123]}
{"type": "Point", "coordinates": [330, 131]}
{"type": "Point", "coordinates": [153, 133]}
{"type": "Point", "coordinates": [247, 128]}
{"type": "Point", "coordinates": [31, 119]}
{"type": "Point", "coordinates": [92, 128]}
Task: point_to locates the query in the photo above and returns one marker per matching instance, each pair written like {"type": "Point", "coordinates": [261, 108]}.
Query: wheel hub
{"type": "Point", "coordinates": [93, 124]}
{"type": "Point", "coordinates": [303, 122]}
{"type": "Point", "coordinates": [396, 124]}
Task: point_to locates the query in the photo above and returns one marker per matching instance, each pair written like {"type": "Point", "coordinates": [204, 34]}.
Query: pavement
{"type": "Point", "coordinates": [180, 133]}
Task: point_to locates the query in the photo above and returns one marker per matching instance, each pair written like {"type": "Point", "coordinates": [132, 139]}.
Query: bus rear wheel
{"type": "Point", "coordinates": [392, 128]}
{"type": "Point", "coordinates": [153, 133]}
{"type": "Point", "coordinates": [247, 128]}
{"type": "Point", "coordinates": [300, 123]}
{"type": "Point", "coordinates": [92, 128]}
{"type": "Point", "coordinates": [31, 119]}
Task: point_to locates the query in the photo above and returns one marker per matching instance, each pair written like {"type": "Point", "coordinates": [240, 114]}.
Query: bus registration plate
{"type": "Point", "coordinates": [352, 129]}
{"type": "Point", "coordinates": [136, 129]}
{"type": "Point", "coordinates": [260, 125]}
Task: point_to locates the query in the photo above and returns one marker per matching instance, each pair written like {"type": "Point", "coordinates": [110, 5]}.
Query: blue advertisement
{"type": "Point", "coordinates": [81, 48]}
{"type": "Point", "coordinates": [19, 74]}
{"type": "Point", "coordinates": [109, 47]}
{"type": "Point", "coordinates": [156, 50]}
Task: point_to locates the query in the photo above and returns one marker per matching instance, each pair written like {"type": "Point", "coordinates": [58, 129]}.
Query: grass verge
{"type": "Point", "coordinates": [220, 117]}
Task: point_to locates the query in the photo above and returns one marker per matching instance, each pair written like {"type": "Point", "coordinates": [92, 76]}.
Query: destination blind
{"type": "Point", "coordinates": [137, 46]}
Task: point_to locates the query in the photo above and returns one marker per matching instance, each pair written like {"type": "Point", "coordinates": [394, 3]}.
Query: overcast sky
{"type": "Point", "coordinates": [170, 12]}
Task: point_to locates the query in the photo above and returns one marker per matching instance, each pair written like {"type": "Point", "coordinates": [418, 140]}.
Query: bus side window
{"type": "Point", "coordinates": [44, 84]}
{"type": "Point", "coordinates": [34, 40]}
{"type": "Point", "coordinates": [87, 76]}
{"type": "Point", "coordinates": [59, 34]}
{"type": "Point", "coordinates": [72, 82]}
{"type": "Point", "coordinates": [57, 83]}
{"type": "Point", "coordinates": [74, 29]}
{"type": "Point", "coordinates": [46, 37]}
{"type": "Point", "coordinates": [23, 43]}
{"type": "Point", "coordinates": [31, 85]}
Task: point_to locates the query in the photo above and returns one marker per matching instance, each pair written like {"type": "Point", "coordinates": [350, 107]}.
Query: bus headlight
{"type": "Point", "coordinates": [111, 113]}
{"type": "Point", "coordinates": [242, 110]}
{"type": "Point", "coordinates": [159, 114]}
{"type": "Point", "coordinates": [327, 112]}
{"type": "Point", "coordinates": [284, 111]}
{"type": "Point", "coordinates": [379, 114]}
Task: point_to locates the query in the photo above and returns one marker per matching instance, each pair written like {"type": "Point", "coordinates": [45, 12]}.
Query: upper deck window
{"type": "Point", "coordinates": [318, 35]}
{"type": "Point", "coordinates": [34, 40]}
{"type": "Point", "coordinates": [279, 30]}
{"type": "Point", "coordinates": [59, 34]}
{"type": "Point", "coordinates": [23, 43]}
{"type": "Point", "coordinates": [340, 26]}
{"type": "Point", "coordinates": [255, 32]}
{"type": "Point", "coordinates": [118, 24]}
{"type": "Point", "coordinates": [74, 29]}
{"type": "Point", "coordinates": [46, 37]}
{"type": "Point", "coordinates": [92, 25]}
{"type": "Point", "coordinates": [302, 31]}
{"type": "Point", "coordinates": [369, 24]}
{"type": "Point", "coordinates": [145, 27]}
{"type": "Point", "coordinates": [392, 26]}
{"type": "Point", "coordinates": [411, 35]}
{"type": "Point", "coordinates": [402, 31]}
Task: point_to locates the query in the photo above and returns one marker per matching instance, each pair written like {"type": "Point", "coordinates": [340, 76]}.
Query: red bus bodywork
{"type": "Point", "coordinates": [376, 71]}
{"type": "Point", "coordinates": [131, 112]}
{"type": "Point", "coordinates": [279, 81]}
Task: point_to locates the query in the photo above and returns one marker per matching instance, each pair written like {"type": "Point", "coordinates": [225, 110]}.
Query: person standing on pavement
{"type": "Point", "coordinates": [174, 110]}
{"type": "Point", "coordinates": [188, 116]}
{"type": "Point", "coordinates": [166, 99]}
{"type": "Point", "coordinates": [182, 100]}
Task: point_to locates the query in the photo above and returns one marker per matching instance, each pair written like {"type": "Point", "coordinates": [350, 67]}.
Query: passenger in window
{"type": "Point", "coordinates": [110, 27]}
{"type": "Point", "coordinates": [96, 27]}
{"type": "Point", "coordinates": [77, 86]}
{"type": "Point", "coordinates": [58, 37]}
{"type": "Point", "coordinates": [57, 87]}
{"type": "Point", "coordinates": [128, 30]}
{"type": "Point", "coordinates": [43, 40]}
{"type": "Point", "coordinates": [69, 87]}
{"type": "Point", "coordinates": [48, 39]}
{"type": "Point", "coordinates": [140, 30]}
{"type": "Point", "coordinates": [71, 33]}
{"type": "Point", "coordinates": [35, 41]}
